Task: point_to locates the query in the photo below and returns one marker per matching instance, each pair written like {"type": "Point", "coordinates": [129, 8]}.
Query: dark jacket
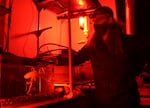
{"type": "Point", "coordinates": [114, 76]}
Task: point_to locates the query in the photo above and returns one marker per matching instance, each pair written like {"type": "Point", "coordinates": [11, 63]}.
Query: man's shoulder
{"type": "Point", "coordinates": [129, 41]}
{"type": "Point", "coordinates": [129, 38]}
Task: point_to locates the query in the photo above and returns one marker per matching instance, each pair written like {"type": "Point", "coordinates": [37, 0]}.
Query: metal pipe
{"type": "Point", "coordinates": [129, 12]}
{"type": "Point", "coordinates": [70, 47]}
{"type": "Point", "coordinates": [9, 25]}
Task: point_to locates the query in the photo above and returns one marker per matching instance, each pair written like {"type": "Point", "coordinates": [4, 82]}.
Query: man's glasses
{"type": "Point", "coordinates": [92, 15]}
{"type": "Point", "coordinates": [95, 15]}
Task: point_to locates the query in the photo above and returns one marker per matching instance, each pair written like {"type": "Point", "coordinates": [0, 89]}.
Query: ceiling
{"type": "Point", "coordinates": [61, 6]}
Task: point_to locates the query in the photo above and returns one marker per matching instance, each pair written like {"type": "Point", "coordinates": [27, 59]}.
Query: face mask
{"type": "Point", "coordinates": [101, 29]}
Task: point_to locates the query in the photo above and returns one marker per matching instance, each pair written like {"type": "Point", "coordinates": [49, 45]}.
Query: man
{"type": "Point", "coordinates": [113, 61]}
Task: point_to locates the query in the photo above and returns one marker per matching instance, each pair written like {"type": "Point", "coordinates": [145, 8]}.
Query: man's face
{"type": "Point", "coordinates": [101, 24]}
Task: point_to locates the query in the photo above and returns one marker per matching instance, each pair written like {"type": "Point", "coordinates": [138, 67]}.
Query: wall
{"type": "Point", "coordinates": [142, 22]}
{"type": "Point", "coordinates": [24, 21]}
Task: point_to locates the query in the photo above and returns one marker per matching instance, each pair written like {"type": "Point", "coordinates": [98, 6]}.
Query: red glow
{"type": "Point", "coordinates": [81, 22]}
{"type": "Point", "coordinates": [81, 2]}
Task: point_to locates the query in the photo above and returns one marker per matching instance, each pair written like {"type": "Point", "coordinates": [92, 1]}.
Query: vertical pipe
{"type": "Point", "coordinates": [0, 73]}
{"type": "Point", "coordinates": [129, 11]}
{"type": "Point", "coordinates": [38, 33]}
{"type": "Point", "coordinates": [3, 28]}
{"type": "Point", "coordinates": [69, 49]}
{"type": "Point", "coordinates": [9, 25]}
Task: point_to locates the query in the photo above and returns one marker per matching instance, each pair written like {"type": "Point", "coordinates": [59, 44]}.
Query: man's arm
{"type": "Point", "coordinates": [81, 56]}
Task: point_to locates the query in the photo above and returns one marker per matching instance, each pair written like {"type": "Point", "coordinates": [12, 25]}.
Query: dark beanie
{"type": "Point", "coordinates": [104, 10]}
